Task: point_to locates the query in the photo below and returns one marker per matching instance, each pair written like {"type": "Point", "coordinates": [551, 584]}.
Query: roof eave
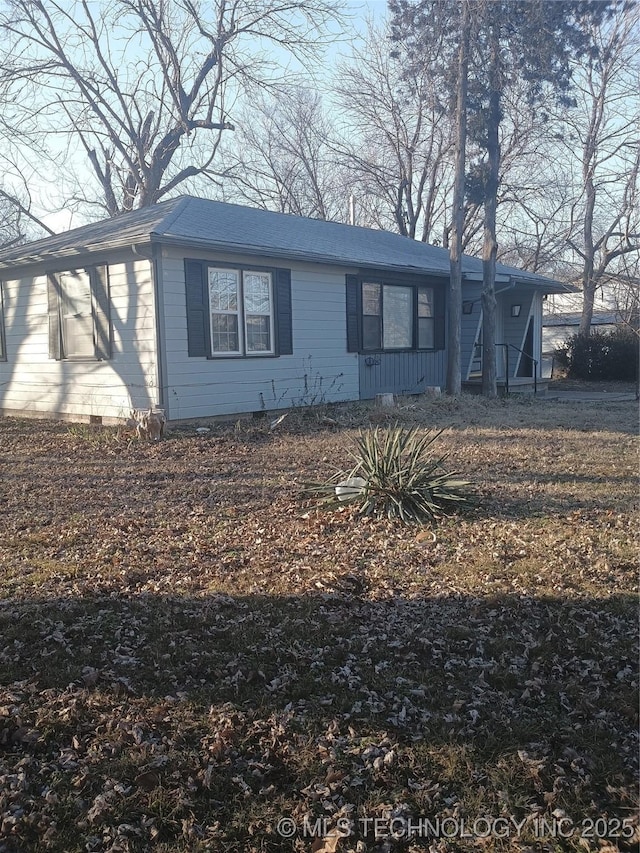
{"type": "Point", "coordinates": [545, 285]}
{"type": "Point", "coordinates": [289, 254]}
{"type": "Point", "coordinates": [88, 251]}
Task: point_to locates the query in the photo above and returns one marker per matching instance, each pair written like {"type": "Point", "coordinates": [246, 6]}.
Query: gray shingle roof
{"type": "Point", "coordinates": [123, 230]}
{"type": "Point", "coordinates": [572, 318]}
{"type": "Point", "coordinates": [215, 225]}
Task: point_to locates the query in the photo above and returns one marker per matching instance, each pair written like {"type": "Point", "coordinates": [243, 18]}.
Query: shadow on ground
{"type": "Point", "coordinates": [217, 711]}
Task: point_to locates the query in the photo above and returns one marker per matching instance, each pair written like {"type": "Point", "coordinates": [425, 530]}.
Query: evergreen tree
{"type": "Point", "coordinates": [531, 41]}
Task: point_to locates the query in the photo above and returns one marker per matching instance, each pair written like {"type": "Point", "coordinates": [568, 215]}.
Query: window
{"type": "Point", "coordinates": [242, 317]}
{"type": "Point", "coordinates": [79, 323]}
{"type": "Point", "coordinates": [258, 313]}
{"type": "Point", "coordinates": [371, 316]}
{"type": "Point", "coordinates": [237, 312]}
{"type": "Point", "coordinates": [76, 315]}
{"type": "Point", "coordinates": [224, 299]}
{"type": "Point", "coordinates": [397, 317]}
{"type": "Point", "coordinates": [426, 318]}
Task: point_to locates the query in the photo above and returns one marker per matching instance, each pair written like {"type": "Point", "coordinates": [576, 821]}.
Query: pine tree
{"type": "Point", "coordinates": [529, 40]}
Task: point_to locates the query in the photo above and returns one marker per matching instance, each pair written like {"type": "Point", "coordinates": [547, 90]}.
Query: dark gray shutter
{"type": "Point", "coordinates": [353, 314]}
{"type": "Point", "coordinates": [101, 311]}
{"type": "Point", "coordinates": [284, 316]}
{"type": "Point", "coordinates": [439, 297]}
{"type": "Point", "coordinates": [198, 338]}
{"type": "Point", "coordinates": [53, 299]}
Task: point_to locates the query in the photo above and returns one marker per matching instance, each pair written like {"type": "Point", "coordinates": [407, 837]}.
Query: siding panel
{"type": "Point", "coordinates": [401, 373]}
{"type": "Point", "coordinates": [319, 369]}
{"type": "Point", "coordinates": [30, 381]}
{"type": "Point", "coordinates": [515, 328]}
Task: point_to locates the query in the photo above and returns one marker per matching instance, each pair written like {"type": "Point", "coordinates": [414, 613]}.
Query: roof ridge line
{"type": "Point", "coordinates": [171, 217]}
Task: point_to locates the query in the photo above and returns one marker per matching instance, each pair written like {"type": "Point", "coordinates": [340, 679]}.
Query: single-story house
{"type": "Point", "coordinates": [204, 308]}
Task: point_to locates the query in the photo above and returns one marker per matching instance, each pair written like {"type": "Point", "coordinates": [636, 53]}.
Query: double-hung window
{"type": "Point", "coordinates": [79, 314]}
{"type": "Point", "coordinates": [224, 299]}
{"type": "Point", "coordinates": [258, 312]}
{"type": "Point", "coordinates": [235, 311]}
{"type": "Point", "coordinates": [397, 317]}
{"type": "Point", "coordinates": [241, 312]}
{"type": "Point", "coordinates": [371, 315]}
{"type": "Point", "coordinates": [76, 315]}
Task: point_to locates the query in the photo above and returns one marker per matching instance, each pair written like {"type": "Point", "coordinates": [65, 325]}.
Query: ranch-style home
{"type": "Point", "coordinates": [203, 308]}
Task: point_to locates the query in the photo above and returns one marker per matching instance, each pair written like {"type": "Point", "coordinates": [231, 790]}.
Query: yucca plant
{"type": "Point", "coordinates": [397, 475]}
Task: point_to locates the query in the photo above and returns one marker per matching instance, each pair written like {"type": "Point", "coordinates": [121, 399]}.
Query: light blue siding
{"type": "Point", "coordinates": [319, 370]}
{"type": "Point", "coordinates": [515, 328]}
{"type": "Point", "coordinates": [510, 330]}
{"type": "Point", "coordinates": [31, 383]}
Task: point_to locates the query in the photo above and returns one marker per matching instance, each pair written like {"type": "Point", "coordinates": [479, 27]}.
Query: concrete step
{"type": "Point", "coordinates": [517, 385]}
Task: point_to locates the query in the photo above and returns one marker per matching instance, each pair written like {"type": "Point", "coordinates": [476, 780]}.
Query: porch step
{"type": "Point", "coordinates": [517, 385]}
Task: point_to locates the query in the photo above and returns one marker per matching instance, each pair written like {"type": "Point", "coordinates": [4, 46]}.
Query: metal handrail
{"type": "Point", "coordinates": [506, 360]}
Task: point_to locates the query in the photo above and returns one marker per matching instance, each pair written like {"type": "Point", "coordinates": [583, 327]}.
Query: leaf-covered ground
{"type": "Point", "coordinates": [189, 654]}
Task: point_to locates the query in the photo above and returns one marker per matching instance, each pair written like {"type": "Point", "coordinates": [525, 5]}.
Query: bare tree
{"type": "Point", "coordinates": [11, 229]}
{"type": "Point", "coordinates": [576, 213]}
{"type": "Point", "coordinates": [623, 297]}
{"type": "Point", "coordinates": [17, 219]}
{"type": "Point", "coordinates": [282, 157]}
{"type": "Point", "coordinates": [146, 88]}
{"type": "Point", "coordinates": [534, 218]}
{"type": "Point", "coordinates": [603, 129]}
{"type": "Point", "coordinates": [398, 140]}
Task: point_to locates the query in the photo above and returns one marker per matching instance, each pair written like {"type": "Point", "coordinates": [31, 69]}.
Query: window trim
{"type": "Point", "coordinates": [3, 340]}
{"type": "Point", "coordinates": [271, 315]}
{"type": "Point", "coordinates": [196, 295]}
{"type": "Point", "coordinates": [98, 275]}
{"type": "Point", "coordinates": [241, 270]}
{"type": "Point", "coordinates": [65, 315]}
{"type": "Point", "coordinates": [226, 313]}
{"type": "Point", "coordinates": [415, 286]}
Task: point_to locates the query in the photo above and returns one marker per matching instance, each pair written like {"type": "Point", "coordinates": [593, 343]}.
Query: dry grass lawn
{"type": "Point", "coordinates": [189, 653]}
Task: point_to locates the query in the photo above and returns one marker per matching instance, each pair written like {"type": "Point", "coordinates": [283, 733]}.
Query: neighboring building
{"type": "Point", "coordinates": [558, 328]}
{"type": "Point", "coordinates": [204, 308]}
{"type": "Point", "coordinates": [615, 304]}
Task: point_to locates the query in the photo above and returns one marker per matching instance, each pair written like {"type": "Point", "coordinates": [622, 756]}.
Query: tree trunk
{"type": "Point", "coordinates": [454, 367]}
{"type": "Point", "coordinates": [588, 298]}
{"type": "Point", "coordinates": [490, 243]}
{"type": "Point", "coordinates": [588, 277]}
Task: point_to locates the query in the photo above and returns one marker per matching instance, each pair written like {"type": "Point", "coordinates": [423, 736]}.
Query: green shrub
{"type": "Point", "coordinates": [601, 355]}
{"type": "Point", "coordinates": [395, 475]}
